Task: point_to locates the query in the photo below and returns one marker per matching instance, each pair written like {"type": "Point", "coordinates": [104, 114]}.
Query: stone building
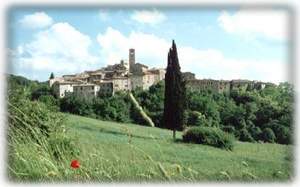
{"type": "Point", "coordinates": [240, 84]}
{"type": "Point", "coordinates": [224, 86]}
{"type": "Point", "coordinates": [86, 90]}
{"type": "Point", "coordinates": [188, 76]}
{"type": "Point", "coordinates": [110, 79]}
{"type": "Point", "coordinates": [61, 89]}
{"type": "Point", "coordinates": [121, 84]}
{"type": "Point", "coordinates": [147, 78]}
{"type": "Point", "coordinates": [106, 88]}
{"type": "Point", "coordinates": [55, 79]}
{"type": "Point", "coordinates": [131, 59]}
{"type": "Point", "coordinates": [209, 84]}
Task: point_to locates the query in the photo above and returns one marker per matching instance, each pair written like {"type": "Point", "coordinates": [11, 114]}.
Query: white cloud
{"type": "Point", "coordinates": [209, 63]}
{"type": "Point", "coordinates": [61, 49]}
{"type": "Point", "coordinates": [115, 45]}
{"type": "Point", "coordinates": [151, 17]}
{"type": "Point", "coordinates": [271, 24]}
{"type": "Point", "coordinates": [36, 20]}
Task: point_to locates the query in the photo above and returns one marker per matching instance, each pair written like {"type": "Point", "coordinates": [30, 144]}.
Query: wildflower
{"type": "Point", "coordinates": [75, 164]}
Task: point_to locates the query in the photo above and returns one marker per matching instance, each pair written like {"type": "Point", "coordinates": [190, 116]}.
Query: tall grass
{"type": "Point", "coordinates": [38, 148]}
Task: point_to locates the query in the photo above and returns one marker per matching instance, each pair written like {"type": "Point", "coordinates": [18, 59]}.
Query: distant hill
{"type": "Point", "coordinates": [22, 81]}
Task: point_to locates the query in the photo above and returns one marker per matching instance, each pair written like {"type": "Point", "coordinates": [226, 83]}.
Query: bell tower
{"type": "Point", "coordinates": [131, 58]}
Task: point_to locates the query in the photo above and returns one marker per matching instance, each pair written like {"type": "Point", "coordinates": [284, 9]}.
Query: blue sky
{"type": "Point", "coordinates": [212, 43]}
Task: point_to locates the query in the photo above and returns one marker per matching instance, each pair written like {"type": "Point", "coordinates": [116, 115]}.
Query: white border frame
{"type": "Point", "coordinates": [6, 4]}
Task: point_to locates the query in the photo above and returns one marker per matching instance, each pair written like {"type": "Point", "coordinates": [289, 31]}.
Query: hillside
{"type": "Point", "coordinates": [126, 152]}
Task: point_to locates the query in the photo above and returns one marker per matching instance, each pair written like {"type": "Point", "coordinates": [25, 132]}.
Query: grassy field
{"type": "Point", "coordinates": [114, 152]}
{"type": "Point", "coordinates": [127, 152]}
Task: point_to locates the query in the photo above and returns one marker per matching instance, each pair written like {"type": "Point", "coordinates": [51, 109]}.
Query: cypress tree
{"type": "Point", "coordinates": [174, 103]}
{"type": "Point", "coordinates": [51, 76]}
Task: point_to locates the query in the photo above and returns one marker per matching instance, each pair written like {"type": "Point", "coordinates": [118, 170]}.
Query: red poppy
{"type": "Point", "coordinates": [75, 164]}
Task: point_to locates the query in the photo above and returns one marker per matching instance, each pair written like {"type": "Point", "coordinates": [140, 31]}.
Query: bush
{"type": "Point", "coordinates": [209, 136]}
{"type": "Point", "coordinates": [42, 89]}
{"type": "Point", "coordinates": [245, 136]}
{"type": "Point", "coordinates": [195, 118]}
{"type": "Point", "coordinates": [283, 135]}
{"type": "Point", "coordinates": [229, 129]}
{"type": "Point", "coordinates": [255, 133]}
{"type": "Point", "coordinates": [50, 101]}
{"type": "Point", "coordinates": [268, 135]}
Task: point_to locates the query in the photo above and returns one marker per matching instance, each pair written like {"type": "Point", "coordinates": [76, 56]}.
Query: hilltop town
{"type": "Point", "coordinates": [129, 75]}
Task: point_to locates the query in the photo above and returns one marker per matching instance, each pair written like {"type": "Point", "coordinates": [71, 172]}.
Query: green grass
{"type": "Point", "coordinates": [127, 152]}
{"type": "Point", "coordinates": [114, 152]}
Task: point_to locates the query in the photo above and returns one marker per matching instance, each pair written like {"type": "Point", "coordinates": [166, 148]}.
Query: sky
{"type": "Point", "coordinates": [212, 43]}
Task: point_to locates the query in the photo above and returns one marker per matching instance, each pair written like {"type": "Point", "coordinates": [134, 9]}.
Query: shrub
{"type": "Point", "coordinates": [195, 118]}
{"type": "Point", "coordinates": [42, 89]}
{"type": "Point", "coordinates": [51, 103]}
{"type": "Point", "coordinates": [268, 135]}
{"type": "Point", "coordinates": [229, 129]}
{"type": "Point", "coordinates": [209, 136]}
{"type": "Point", "coordinates": [255, 133]}
{"type": "Point", "coordinates": [245, 136]}
{"type": "Point", "coordinates": [283, 135]}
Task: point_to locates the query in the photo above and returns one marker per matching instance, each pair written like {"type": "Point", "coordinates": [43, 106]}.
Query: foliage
{"type": "Point", "coordinates": [41, 90]}
{"type": "Point", "coordinates": [152, 102]}
{"type": "Point", "coordinates": [204, 103]}
{"type": "Point", "coordinates": [209, 136]}
{"type": "Point", "coordinates": [140, 110]}
{"type": "Point", "coordinates": [50, 101]}
{"type": "Point", "coordinates": [229, 129]}
{"type": "Point", "coordinates": [268, 135]}
{"type": "Point", "coordinates": [76, 105]}
{"type": "Point", "coordinates": [245, 136]}
{"type": "Point", "coordinates": [242, 112]}
{"type": "Point", "coordinates": [51, 75]}
{"type": "Point", "coordinates": [195, 118]}
{"type": "Point", "coordinates": [116, 108]}
{"type": "Point", "coordinates": [175, 101]}
{"type": "Point", "coordinates": [33, 128]}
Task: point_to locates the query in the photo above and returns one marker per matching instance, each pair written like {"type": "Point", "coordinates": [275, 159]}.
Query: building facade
{"type": "Point", "coordinates": [108, 80]}
{"type": "Point", "coordinates": [86, 90]}
{"type": "Point", "coordinates": [61, 89]}
{"type": "Point", "coordinates": [223, 86]}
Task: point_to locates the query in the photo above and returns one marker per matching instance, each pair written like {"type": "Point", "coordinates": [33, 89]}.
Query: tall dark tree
{"type": "Point", "coordinates": [52, 75]}
{"type": "Point", "coordinates": [174, 103]}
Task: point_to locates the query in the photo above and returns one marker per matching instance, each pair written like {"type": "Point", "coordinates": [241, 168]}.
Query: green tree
{"type": "Point", "coordinates": [40, 90]}
{"type": "Point", "coordinates": [51, 75]}
{"type": "Point", "coordinates": [268, 135]}
{"type": "Point", "coordinates": [174, 103]}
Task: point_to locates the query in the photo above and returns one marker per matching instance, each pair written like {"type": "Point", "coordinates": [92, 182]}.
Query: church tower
{"type": "Point", "coordinates": [131, 59]}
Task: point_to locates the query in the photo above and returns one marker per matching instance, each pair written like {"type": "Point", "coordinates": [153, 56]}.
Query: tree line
{"type": "Point", "coordinates": [251, 115]}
